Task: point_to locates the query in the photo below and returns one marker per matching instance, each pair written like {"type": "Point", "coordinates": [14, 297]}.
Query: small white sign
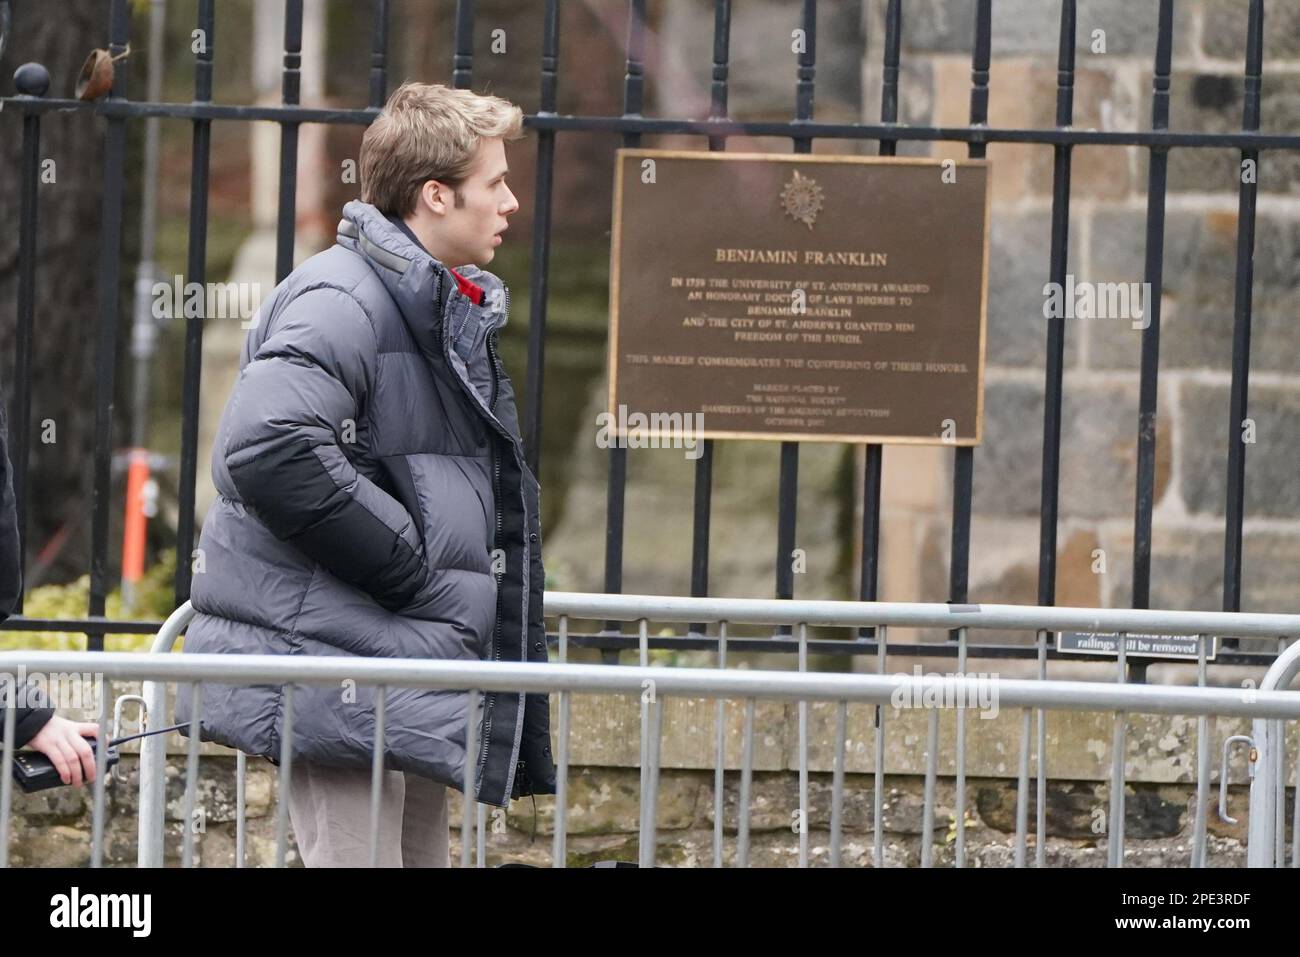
{"type": "Point", "coordinates": [1136, 645]}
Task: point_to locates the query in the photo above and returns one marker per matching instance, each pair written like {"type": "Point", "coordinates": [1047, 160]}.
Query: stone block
{"type": "Point", "coordinates": [1004, 570]}
{"type": "Point", "coordinates": [952, 100]}
{"type": "Point", "coordinates": [603, 801]}
{"type": "Point", "coordinates": [216, 797]}
{"type": "Point", "coordinates": [933, 26]}
{"type": "Point", "coordinates": [1126, 29]}
{"type": "Point", "coordinates": [1225, 28]}
{"type": "Point", "coordinates": [774, 799]}
{"type": "Point", "coordinates": [605, 729]}
{"type": "Point", "coordinates": [1030, 26]}
{"type": "Point", "coordinates": [1272, 457]}
{"type": "Point", "coordinates": [1102, 101]}
{"type": "Point", "coordinates": [1198, 290]}
{"type": "Point", "coordinates": [1008, 464]}
{"type": "Point", "coordinates": [1019, 268]}
{"type": "Point", "coordinates": [1079, 810]}
{"type": "Point", "coordinates": [1211, 102]}
{"type": "Point", "coordinates": [761, 43]}
{"type": "Point", "coordinates": [54, 805]}
{"type": "Point", "coordinates": [916, 103]}
{"type": "Point", "coordinates": [52, 845]}
{"type": "Point", "coordinates": [1098, 450]}
{"type": "Point", "coordinates": [1187, 569]}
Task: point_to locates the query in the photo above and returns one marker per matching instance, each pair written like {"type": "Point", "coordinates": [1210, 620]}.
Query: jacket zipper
{"type": "Point", "coordinates": [496, 477]}
{"type": "Point", "coordinates": [527, 557]}
{"type": "Point", "coordinates": [492, 355]}
{"type": "Point", "coordinates": [490, 699]}
{"type": "Point", "coordinates": [496, 539]}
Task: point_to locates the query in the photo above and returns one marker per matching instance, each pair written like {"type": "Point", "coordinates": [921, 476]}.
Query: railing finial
{"type": "Point", "coordinates": [32, 79]}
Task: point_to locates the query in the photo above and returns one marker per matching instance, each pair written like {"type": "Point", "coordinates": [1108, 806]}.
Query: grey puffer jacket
{"type": "Point", "coordinates": [368, 464]}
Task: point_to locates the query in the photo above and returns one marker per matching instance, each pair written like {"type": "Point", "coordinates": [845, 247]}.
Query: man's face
{"type": "Point", "coordinates": [472, 231]}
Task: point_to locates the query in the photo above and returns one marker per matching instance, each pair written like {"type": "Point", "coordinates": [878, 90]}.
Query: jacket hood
{"type": "Point", "coordinates": [438, 302]}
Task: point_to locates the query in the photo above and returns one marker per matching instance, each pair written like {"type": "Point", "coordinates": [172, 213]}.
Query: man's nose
{"type": "Point", "coordinates": [512, 205]}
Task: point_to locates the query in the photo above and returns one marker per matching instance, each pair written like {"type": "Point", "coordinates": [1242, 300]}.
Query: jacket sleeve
{"type": "Point", "coordinates": [11, 564]}
{"type": "Point", "coordinates": [33, 714]}
{"type": "Point", "coordinates": [292, 419]}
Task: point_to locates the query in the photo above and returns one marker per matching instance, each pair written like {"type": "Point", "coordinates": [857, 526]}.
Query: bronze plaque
{"type": "Point", "coordinates": [804, 297]}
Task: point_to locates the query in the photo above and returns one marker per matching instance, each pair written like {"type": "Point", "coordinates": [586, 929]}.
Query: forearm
{"type": "Point", "coordinates": [311, 496]}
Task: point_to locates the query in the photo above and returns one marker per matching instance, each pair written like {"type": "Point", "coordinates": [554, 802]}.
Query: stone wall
{"type": "Point", "coordinates": [54, 830]}
{"type": "Point", "coordinates": [1106, 244]}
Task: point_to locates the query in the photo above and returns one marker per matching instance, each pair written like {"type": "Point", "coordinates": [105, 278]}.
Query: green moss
{"type": "Point", "coordinates": [628, 851]}
{"type": "Point", "coordinates": [670, 855]}
{"type": "Point", "coordinates": [153, 603]}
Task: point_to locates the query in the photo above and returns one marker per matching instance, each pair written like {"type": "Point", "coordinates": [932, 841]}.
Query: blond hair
{"type": "Point", "coordinates": [429, 131]}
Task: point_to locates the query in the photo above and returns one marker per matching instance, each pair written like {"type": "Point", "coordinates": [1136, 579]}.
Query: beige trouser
{"type": "Point", "coordinates": [330, 811]}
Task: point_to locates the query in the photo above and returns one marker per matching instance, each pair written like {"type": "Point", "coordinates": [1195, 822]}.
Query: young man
{"type": "Point", "coordinates": [374, 499]}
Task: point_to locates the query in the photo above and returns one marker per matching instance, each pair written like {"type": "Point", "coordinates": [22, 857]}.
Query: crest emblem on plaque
{"type": "Point", "coordinates": [802, 198]}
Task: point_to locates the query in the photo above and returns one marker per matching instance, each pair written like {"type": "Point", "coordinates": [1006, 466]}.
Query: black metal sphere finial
{"type": "Point", "coordinates": [32, 79]}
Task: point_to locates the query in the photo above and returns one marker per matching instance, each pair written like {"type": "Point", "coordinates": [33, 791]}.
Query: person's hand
{"type": "Point", "coordinates": [63, 742]}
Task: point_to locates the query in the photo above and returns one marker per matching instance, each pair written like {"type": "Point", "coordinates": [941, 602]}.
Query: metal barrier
{"type": "Point", "coordinates": [1269, 707]}
{"type": "Point", "coordinates": [1267, 834]}
{"type": "Point", "coordinates": [125, 106]}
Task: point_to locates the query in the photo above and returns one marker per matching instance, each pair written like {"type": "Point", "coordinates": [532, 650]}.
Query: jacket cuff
{"type": "Point", "coordinates": [30, 723]}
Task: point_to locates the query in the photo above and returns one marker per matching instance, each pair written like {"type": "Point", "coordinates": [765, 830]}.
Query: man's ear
{"type": "Point", "coordinates": [434, 195]}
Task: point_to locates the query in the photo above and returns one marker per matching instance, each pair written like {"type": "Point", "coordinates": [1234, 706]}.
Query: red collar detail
{"type": "Point", "coordinates": [471, 290]}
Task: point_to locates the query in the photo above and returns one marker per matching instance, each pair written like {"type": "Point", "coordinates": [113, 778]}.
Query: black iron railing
{"type": "Point", "coordinates": [117, 110]}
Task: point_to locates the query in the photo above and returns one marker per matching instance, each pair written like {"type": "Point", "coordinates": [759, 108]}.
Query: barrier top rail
{"type": "Point", "coordinates": [687, 682]}
{"type": "Point", "coordinates": [849, 614]}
